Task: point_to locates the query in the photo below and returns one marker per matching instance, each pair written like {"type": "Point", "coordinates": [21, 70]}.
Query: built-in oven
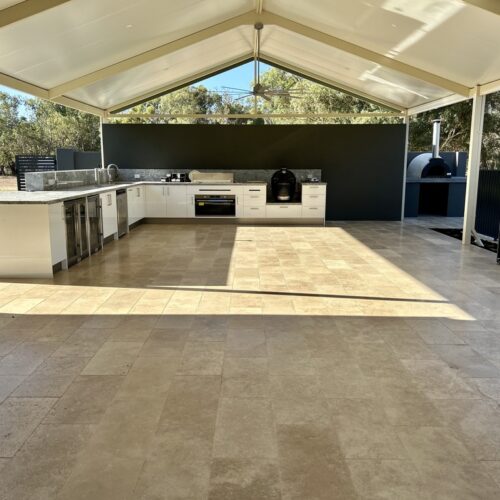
{"type": "Point", "coordinates": [215, 205]}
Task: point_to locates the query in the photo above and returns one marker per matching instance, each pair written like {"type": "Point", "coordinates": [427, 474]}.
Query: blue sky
{"type": "Point", "coordinates": [239, 77]}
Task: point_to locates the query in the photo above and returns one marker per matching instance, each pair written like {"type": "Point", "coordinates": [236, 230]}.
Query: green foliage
{"type": "Point", "coordinates": [34, 126]}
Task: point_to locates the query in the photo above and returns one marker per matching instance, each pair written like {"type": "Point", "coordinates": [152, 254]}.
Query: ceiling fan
{"type": "Point", "coordinates": [258, 89]}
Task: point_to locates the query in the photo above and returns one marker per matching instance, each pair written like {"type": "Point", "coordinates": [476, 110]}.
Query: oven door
{"type": "Point", "coordinates": [215, 205]}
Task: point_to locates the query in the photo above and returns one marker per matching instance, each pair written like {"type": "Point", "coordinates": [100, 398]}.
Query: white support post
{"type": "Point", "coordinates": [102, 120]}
{"type": "Point", "coordinates": [476, 136]}
{"type": "Point", "coordinates": [405, 161]}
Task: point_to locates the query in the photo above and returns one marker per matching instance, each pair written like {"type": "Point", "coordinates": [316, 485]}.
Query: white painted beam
{"type": "Point", "coordinates": [491, 87]}
{"type": "Point", "coordinates": [253, 115]}
{"type": "Point", "coordinates": [364, 53]}
{"type": "Point", "coordinates": [29, 88]}
{"type": "Point", "coordinates": [489, 5]}
{"type": "Point", "coordinates": [438, 103]}
{"type": "Point", "coordinates": [330, 83]}
{"type": "Point", "coordinates": [28, 8]}
{"type": "Point", "coordinates": [80, 106]}
{"type": "Point", "coordinates": [476, 136]}
{"type": "Point", "coordinates": [183, 82]}
{"type": "Point", "coordinates": [151, 55]}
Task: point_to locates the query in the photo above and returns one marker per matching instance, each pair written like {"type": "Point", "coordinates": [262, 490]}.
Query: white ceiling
{"type": "Point", "coordinates": [446, 38]}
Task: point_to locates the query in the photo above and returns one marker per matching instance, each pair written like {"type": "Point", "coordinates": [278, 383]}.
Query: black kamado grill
{"type": "Point", "coordinates": [429, 164]}
{"type": "Point", "coordinates": [283, 184]}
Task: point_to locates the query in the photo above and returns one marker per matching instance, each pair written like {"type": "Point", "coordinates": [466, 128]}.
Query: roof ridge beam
{"type": "Point", "coordinates": [364, 53]}
{"type": "Point", "coordinates": [309, 75]}
{"type": "Point", "coordinates": [152, 54]}
{"type": "Point", "coordinates": [25, 9]}
{"type": "Point", "coordinates": [488, 5]}
{"type": "Point", "coordinates": [183, 82]}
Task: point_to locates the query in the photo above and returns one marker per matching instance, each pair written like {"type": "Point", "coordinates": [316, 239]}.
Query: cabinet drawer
{"type": "Point", "coordinates": [254, 211]}
{"type": "Point", "coordinates": [313, 212]}
{"type": "Point", "coordinates": [215, 189]}
{"type": "Point", "coordinates": [255, 199]}
{"type": "Point", "coordinates": [313, 200]}
{"type": "Point", "coordinates": [255, 189]}
{"type": "Point", "coordinates": [313, 189]}
{"type": "Point", "coordinates": [276, 211]}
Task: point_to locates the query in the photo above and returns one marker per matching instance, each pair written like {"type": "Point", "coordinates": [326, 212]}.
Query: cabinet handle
{"type": "Point", "coordinates": [168, 190]}
{"type": "Point", "coordinates": [283, 207]}
{"type": "Point", "coordinates": [313, 208]}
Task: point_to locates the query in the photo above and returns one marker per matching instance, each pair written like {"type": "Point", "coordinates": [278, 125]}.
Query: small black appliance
{"type": "Point", "coordinates": [283, 183]}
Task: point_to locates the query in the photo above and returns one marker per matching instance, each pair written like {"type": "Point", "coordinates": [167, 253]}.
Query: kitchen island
{"type": "Point", "coordinates": [34, 225]}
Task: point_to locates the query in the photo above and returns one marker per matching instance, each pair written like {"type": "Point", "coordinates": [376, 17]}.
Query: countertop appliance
{"type": "Point", "coordinates": [112, 172]}
{"type": "Point", "coordinates": [283, 184]}
{"type": "Point", "coordinates": [215, 205]}
{"type": "Point", "coordinates": [176, 177]}
{"type": "Point", "coordinates": [122, 210]}
{"type": "Point", "coordinates": [83, 228]}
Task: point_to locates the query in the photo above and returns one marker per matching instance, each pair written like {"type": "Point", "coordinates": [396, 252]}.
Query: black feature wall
{"type": "Point", "coordinates": [362, 164]}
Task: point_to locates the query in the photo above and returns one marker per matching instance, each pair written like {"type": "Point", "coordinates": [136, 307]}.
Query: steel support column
{"type": "Point", "coordinates": [476, 136]}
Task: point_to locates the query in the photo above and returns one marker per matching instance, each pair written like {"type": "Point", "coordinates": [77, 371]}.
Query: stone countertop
{"type": "Point", "coordinates": [48, 197]}
{"type": "Point", "coordinates": [438, 180]}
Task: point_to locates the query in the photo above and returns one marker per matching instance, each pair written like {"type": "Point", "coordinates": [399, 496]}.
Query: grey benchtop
{"type": "Point", "coordinates": [48, 197]}
{"type": "Point", "coordinates": [438, 180]}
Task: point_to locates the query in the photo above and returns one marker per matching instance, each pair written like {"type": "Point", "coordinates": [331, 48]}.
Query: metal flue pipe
{"type": "Point", "coordinates": [436, 137]}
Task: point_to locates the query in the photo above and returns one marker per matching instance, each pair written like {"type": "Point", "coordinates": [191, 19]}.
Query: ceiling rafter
{"type": "Point", "coordinates": [29, 88]}
{"type": "Point", "coordinates": [28, 8]}
{"type": "Point", "coordinates": [436, 104]}
{"type": "Point", "coordinates": [151, 55]}
{"type": "Point", "coordinates": [183, 82]}
{"type": "Point", "coordinates": [367, 54]}
{"type": "Point", "coordinates": [489, 5]}
{"type": "Point", "coordinates": [279, 63]}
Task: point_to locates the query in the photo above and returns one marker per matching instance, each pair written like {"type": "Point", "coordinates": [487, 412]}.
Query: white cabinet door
{"type": "Point", "coordinates": [156, 201]}
{"type": "Point", "coordinates": [140, 202]}
{"type": "Point", "coordinates": [177, 201]}
{"type": "Point", "coordinates": [109, 215]}
{"type": "Point", "coordinates": [131, 205]}
{"type": "Point", "coordinates": [283, 211]}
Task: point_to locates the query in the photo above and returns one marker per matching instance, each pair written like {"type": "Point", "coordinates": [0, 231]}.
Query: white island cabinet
{"type": "Point", "coordinates": [33, 240]}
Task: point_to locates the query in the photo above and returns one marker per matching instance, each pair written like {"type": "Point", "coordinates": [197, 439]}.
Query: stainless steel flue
{"type": "Point", "coordinates": [436, 137]}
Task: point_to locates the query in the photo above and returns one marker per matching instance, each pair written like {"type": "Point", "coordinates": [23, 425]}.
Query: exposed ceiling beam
{"type": "Point", "coordinates": [183, 82]}
{"type": "Point", "coordinates": [256, 115]}
{"type": "Point", "coordinates": [35, 90]}
{"type": "Point", "coordinates": [367, 54]}
{"type": "Point", "coordinates": [489, 5]}
{"type": "Point", "coordinates": [291, 68]}
{"type": "Point", "coordinates": [436, 104]}
{"type": "Point", "coordinates": [151, 55]}
{"type": "Point", "coordinates": [28, 8]}
{"type": "Point", "coordinates": [489, 88]}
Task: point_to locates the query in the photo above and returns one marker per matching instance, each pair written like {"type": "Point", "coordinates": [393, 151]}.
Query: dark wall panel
{"type": "Point", "coordinates": [363, 164]}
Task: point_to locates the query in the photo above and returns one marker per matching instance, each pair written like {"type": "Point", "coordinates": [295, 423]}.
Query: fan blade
{"type": "Point", "coordinates": [243, 97]}
{"type": "Point", "coordinates": [236, 88]}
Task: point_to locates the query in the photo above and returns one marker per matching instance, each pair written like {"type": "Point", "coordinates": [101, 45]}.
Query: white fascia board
{"type": "Point", "coordinates": [438, 103]}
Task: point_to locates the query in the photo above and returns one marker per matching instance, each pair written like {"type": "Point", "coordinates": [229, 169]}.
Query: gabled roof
{"type": "Point", "coordinates": [104, 55]}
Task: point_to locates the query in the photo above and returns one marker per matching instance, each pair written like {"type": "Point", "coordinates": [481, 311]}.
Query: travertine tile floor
{"type": "Point", "coordinates": [223, 362]}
